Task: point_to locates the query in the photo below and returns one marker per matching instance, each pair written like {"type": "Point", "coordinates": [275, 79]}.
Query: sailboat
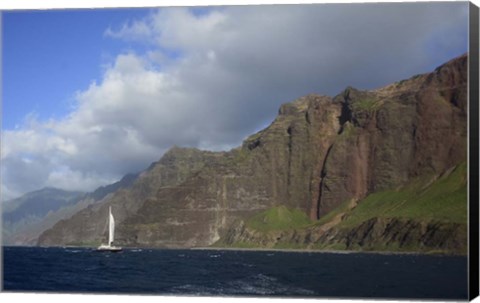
{"type": "Point", "coordinates": [111, 234]}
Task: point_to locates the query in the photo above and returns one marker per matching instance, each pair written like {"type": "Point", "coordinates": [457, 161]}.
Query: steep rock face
{"type": "Point", "coordinates": [318, 153]}
{"type": "Point", "coordinates": [410, 128]}
{"type": "Point", "coordinates": [292, 151]}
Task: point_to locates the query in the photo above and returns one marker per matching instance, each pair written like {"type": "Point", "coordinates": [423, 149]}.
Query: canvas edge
{"type": "Point", "coordinates": [473, 91]}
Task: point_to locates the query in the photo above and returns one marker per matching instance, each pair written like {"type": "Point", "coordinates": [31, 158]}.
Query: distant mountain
{"type": "Point", "coordinates": [39, 203]}
{"type": "Point", "coordinates": [26, 217]}
{"type": "Point", "coordinates": [20, 213]}
{"type": "Point", "coordinates": [365, 170]}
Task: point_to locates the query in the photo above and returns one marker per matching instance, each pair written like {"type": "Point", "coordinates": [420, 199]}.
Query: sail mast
{"type": "Point", "coordinates": [111, 227]}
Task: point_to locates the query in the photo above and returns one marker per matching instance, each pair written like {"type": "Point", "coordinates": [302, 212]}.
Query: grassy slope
{"type": "Point", "coordinates": [278, 218]}
{"type": "Point", "coordinates": [444, 200]}
{"type": "Point", "coordinates": [272, 220]}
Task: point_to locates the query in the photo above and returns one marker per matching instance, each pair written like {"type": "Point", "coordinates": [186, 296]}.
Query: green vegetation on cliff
{"type": "Point", "coordinates": [427, 215]}
{"type": "Point", "coordinates": [278, 218]}
{"type": "Point", "coordinates": [367, 105]}
{"type": "Point", "coordinates": [444, 199]}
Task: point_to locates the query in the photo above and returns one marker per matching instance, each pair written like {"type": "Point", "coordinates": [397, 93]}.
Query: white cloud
{"type": "Point", "coordinates": [135, 31]}
{"type": "Point", "coordinates": [208, 80]}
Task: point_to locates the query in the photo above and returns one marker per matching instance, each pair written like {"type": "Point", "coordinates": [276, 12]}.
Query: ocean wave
{"type": "Point", "coordinates": [261, 284]}
{"type": "Point", "coordinates": [74, 251]}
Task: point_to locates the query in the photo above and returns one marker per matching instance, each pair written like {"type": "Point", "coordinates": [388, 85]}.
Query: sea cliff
{"type": "Point", "coordinates": [365, 170]}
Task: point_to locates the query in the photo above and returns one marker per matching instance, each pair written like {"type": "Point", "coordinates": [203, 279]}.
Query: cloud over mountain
{"type": "Point", "coordinates": [209, 77]}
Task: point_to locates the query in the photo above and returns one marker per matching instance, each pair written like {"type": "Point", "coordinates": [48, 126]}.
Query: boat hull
{"type": "Point", "coordinates": [105, 248]}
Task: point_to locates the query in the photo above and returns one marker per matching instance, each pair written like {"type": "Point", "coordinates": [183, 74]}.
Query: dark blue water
{"type": "Point", "coordinates": [235, 273]}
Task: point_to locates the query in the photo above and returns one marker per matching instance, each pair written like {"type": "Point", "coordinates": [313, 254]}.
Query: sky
{"type": "Point", "coordinates": [91, 95]}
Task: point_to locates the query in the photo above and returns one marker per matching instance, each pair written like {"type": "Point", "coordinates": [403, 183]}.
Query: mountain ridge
{"type": "Point", "coordinates": [22, 224]}
{"type": "Point", "coordinates": [318, 153]}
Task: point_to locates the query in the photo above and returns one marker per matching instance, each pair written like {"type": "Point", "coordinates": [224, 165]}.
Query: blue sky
{"type": "Point", "coordinates": [90, 95]}
{"type": "Point", "coordinates": [49, 55]}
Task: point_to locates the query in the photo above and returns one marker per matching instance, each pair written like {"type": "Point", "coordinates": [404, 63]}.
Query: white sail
{"type": "Point", "coordinates": [111, 234]}
{"type": "Point", "coordinates": [111, 228]}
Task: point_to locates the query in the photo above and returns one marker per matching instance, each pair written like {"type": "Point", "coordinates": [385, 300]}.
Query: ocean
{"type": "Point", "coordinates": [234, 273]}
